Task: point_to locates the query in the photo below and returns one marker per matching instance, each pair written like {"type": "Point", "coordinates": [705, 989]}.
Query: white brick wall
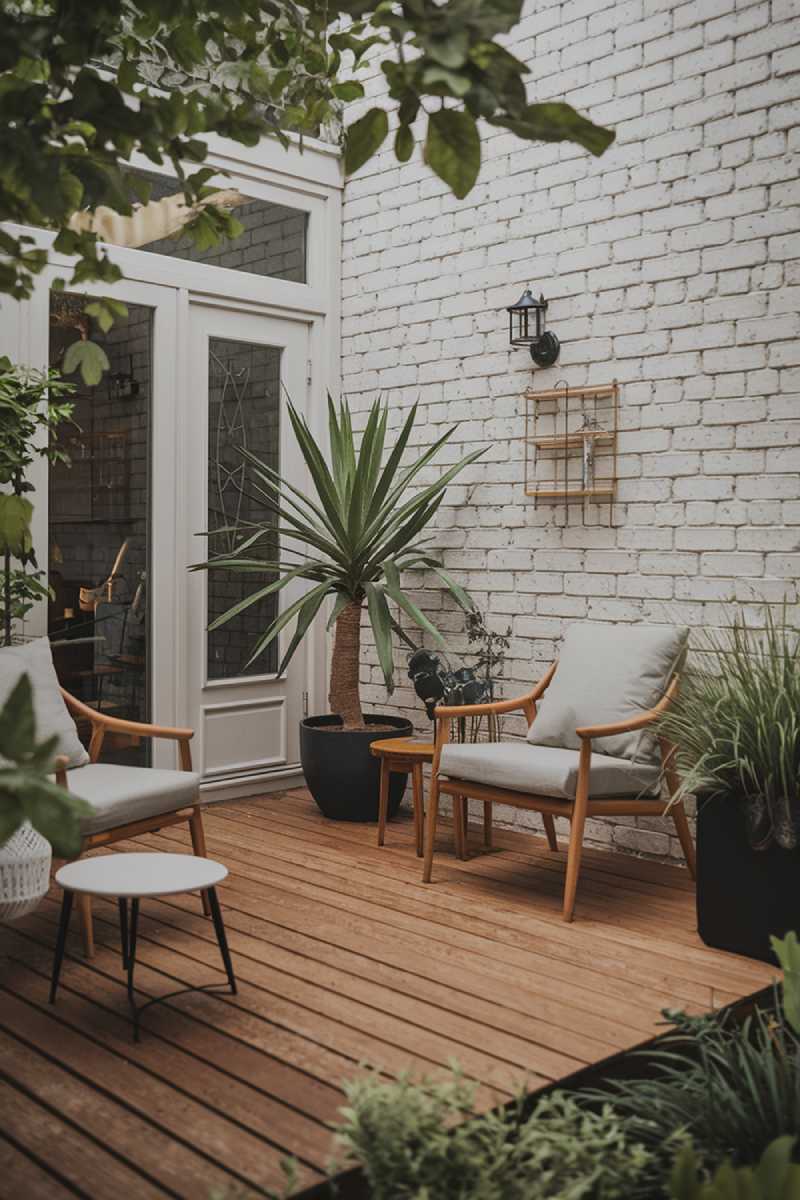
{"type": "Point", "coordinates": [672, 264]}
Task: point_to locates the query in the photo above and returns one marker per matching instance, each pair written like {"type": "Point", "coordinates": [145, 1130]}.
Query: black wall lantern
{"type": "Point", "coordinates": [526, 328]}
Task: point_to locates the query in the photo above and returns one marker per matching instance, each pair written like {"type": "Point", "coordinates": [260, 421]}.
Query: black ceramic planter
{"type": "Point", "coordinates": [341, 774]}
{"type": "Point", "coordinates": [743, 895]}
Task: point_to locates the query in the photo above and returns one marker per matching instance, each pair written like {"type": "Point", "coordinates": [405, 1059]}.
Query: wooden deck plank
{"type": "Point", "coordinates": [23, 1176]}
{"type": "Point", "coordinates": [541, 912]}
{"type": "Point", "coordinates": [343, 956]}
{"type": "Point", "coordinates": [81, 1159]}
{"type": "Point", "coordinates": [170, 1137]}
{"type": "Point", "coordinates": [280, 1125]}
{"type": "Point", "coordinates": [415, 906]}
{"type": "Point", "coordinates": [573, 960]}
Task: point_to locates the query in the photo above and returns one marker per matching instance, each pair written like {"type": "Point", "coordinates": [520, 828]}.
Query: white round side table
{"type": "Point", "coordinates": [134, 877]}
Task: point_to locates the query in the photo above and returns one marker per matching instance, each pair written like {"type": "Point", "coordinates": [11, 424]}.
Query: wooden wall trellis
{"type": "Point", "coordinates": [571, 445]}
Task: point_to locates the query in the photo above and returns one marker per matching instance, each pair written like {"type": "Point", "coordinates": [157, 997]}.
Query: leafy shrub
{"type": "Point", "coordinates": [736, 726]}
{"type": "Point", "coordinates": [774, 1178]}
{"type": "Point", "coordinates": [422, 1141]}
{"type": "Point", "coordinates": [736, 1092]}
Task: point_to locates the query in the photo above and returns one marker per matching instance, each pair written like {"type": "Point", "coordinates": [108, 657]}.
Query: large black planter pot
{"type": "Point", "coordinates": [743, 895]}
{"type": "Point", "coordinates": [341, 774]}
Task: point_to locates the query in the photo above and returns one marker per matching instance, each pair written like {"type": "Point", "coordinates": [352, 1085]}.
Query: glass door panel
{"type": "Point", "coordinates": [99, 522]}
{"type": "Point", "coordinates": [244, 368]}
{"type": "Point", "coordinates": [244, 396]}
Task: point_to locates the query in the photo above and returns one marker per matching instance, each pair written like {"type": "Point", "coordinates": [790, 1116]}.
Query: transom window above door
{"type": "Point", "coordinates": [273, 242]}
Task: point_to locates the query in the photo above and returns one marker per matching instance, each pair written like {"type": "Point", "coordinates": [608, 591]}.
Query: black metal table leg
{"type": "Point", "coordinates": [219, 929]}
{"type": "Point", "coordinates": [132, 963]}
{"type": "Point", "coordinates": [123, 929]}
{"type": "Point", "coordinates": [61, 941]}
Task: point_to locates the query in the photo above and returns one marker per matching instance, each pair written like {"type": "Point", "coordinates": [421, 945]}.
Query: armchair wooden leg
{"type": "Point", "coordinates": [487, 823]}
{"type": "Point", "coordinates": [383, 801]}
{"type": "Point", "coordinates": [459, 804]}
{"type": "Point", "coordinates": [430, 829]}
{"type": "Point", "coordinates": [678, 813]}
{"type": "Point", "coordinates": [419, 805]}
{"type": "Point", "coordinates": [550, 830]}
{"type": "Point", "coordinates": [199, 847]}
{"type": "Point", "coordinates": [573, 865]}
{"type": "Point", "coordinates": [577, 823]}
{"type": "Point", "coordinates": [87, 924]}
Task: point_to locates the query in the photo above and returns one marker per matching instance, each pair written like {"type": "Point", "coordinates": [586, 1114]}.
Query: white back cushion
{"type": "Point", "coordinates": [52, 717]}
{"type": "Point", "coordinates": [608, 673]}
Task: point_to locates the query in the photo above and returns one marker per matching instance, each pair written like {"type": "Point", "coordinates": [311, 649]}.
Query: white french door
{"type": "Point", "coordinates": [243, 368]}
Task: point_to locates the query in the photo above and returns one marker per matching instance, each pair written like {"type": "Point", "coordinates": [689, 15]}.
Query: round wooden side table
{"type": "Point", "coordinates": [406, 755]}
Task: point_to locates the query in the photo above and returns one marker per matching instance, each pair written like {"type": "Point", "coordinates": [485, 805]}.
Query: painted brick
{"type": "Point", "coordinates": [671, 263]}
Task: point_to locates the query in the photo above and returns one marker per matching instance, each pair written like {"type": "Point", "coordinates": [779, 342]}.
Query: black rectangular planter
{"type": "Point", "coordinates": [743, 895]}
{"type": "Point", "coordinates": [626, 1064]}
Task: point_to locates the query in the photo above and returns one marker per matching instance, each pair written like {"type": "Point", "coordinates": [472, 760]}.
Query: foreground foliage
{"type": "Point", "coordinates": [734, 1088]}
{"type": "Point", "coordinates": [85, 86]}
{"type": "Point", "coordinates": [405, 1135]}
{"type": "Point", "coordinates": [736, 725]}
{"type": "Point", "coordinates": [27, 791]}
{"type": "Point", "coordinates": [716, 1117]}
{"type": "Point", "coordinates": [32, 406]}
{"type": "Point", "coordinates": [775, 1177]}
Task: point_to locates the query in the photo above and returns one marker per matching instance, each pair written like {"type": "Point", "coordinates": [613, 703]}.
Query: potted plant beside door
{"type": "Point", "coordinates": [350, 541]}
{"type": "Point", "coordinates": [736, 728]}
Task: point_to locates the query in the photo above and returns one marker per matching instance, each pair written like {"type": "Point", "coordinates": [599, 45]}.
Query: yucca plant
{"type": "Point", "coordinates": [350, 542]}
{"type": "Point", "coordinates": [736, 726]}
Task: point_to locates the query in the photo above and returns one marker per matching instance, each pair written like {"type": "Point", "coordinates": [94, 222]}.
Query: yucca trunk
{"type": "Point", "coordinates": [344, 696]}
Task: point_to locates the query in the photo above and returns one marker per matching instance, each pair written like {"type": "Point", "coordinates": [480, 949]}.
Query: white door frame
{"type": "Point", "coordinates": [269, 705]}
{"type": "Point", "coordinates": [310, 180]}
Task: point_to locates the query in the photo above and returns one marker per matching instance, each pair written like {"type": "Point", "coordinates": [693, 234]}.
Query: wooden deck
{"type": "Point", "coordinates": [343, 956]}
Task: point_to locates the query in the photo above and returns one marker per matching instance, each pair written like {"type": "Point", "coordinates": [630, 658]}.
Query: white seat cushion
{"type": "Point", "coordinates": [52, 716]}
{"type": "Point", "coordinates": [120, 795]}
{"type": "Point", "coordinates": [545, 771]}
{"type": "Point", "coordinates": [608, 673]}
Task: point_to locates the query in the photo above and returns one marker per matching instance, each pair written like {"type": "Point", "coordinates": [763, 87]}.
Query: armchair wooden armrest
{"type": "Point", "coordinates": [102, 724]}
{"type": "Point", "coordinates": [120, 725]}
{"type": "Point", "coordinates": [446, 712]}
{"type": "Point", "coordinates": [640, 721]}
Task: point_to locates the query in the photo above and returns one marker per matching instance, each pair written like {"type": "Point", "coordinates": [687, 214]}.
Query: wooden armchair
{"type": "Point", "coordinates": [127, 800]}
{"type": "Point", "coordinates": [556, 781]}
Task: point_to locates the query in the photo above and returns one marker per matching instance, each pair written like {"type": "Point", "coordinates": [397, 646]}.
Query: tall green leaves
{"type": "Point", "coordinates": [736, 724]}
{"type": "Point", "coordinates": [26, 790]}
{"type": "Point", "coordinates": [32, 403]}
{"type": "Point", "coordinates": [351, 536]}
{"type": "Point", "coordinates": [787, 951]}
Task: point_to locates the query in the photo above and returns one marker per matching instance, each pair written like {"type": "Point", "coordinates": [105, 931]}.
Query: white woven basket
{"type": "Point", "coordinates": [24, 872]}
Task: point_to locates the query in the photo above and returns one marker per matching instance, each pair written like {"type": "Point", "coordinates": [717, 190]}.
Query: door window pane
{"type": "Point", "coordinates": [99, 524]}
{"type": "Point", "coordinates": [244, 388]}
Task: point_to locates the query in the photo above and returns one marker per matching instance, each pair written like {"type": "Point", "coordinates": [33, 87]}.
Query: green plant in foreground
{"type": "Point", "coordinates": [422, 1141]}
{"type": "Point", "coordinates": [775, 1177]}
{"type": "Point", "coordinates": [732, 1087]}
{"type": "Point", "coordinates": [26, 790]}
{"type": "Point", "coordinates": [350, 542]}
{"type": "Point", "coordinates": [84, 86]}
{"type": "Point", "coordinates": [787, 952]}
{"type": "Point", "coordinates": [32, 406]}
{"type": "Point", "coordinates": [736, 725]}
